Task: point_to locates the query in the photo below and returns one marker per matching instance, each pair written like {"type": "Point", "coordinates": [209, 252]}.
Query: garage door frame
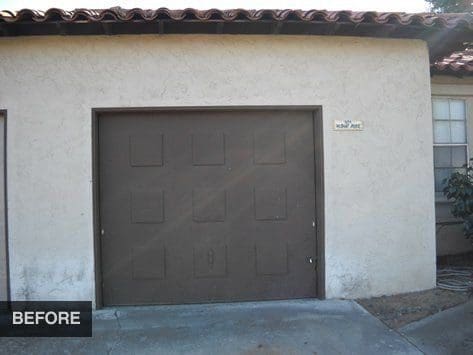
{"type": "Point", "coordinates": [318, 177]}
{"type": "Point", "coordinates": [5, 294]}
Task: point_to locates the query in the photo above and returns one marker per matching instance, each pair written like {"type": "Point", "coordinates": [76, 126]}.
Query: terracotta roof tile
{"type": "Point", "coordinates": [120, 14]}
{"type": "Point", "coordinates": [458, 63]}
{"type": "Point", "coordinates": [444, 33]}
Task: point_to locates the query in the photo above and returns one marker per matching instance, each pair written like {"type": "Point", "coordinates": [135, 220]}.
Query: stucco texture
{"type": "Point", "coordinates": [379, 200]}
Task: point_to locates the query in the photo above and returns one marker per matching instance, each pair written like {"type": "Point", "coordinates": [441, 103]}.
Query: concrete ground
{"type": "Point", "coordinates": [447, 332]}
{"type": "Point", "coordinates": [276, 327]}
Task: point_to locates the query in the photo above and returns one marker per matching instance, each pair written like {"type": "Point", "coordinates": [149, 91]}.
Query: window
{"type": "Point", "coordinates": [450, 139]}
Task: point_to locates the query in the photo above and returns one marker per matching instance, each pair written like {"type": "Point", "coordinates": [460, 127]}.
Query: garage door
{"type": "Point", "coordinates": [206, 206]}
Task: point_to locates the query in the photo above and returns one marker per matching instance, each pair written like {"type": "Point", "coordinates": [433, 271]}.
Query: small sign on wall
{"type": "Point", "coordinates": [348, 125]}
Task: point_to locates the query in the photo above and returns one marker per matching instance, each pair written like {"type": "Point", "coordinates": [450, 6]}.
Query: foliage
{"type": "Point", "coordinates": [451, 5]}
{"type": "Point", "coordinates": [459, 189]}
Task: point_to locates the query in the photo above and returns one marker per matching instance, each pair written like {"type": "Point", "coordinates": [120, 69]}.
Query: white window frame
{"type": "Point", "coordinates": [450, 98]}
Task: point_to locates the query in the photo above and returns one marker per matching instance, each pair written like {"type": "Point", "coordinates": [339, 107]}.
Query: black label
{"type": "Point", "coordinates": [46, 319]}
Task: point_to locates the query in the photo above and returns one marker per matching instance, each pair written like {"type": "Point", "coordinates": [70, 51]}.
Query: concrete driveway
{"type": "Point", "coordinates": [276, 327]}
{"type": "Point", "coordinates": [447, 332]}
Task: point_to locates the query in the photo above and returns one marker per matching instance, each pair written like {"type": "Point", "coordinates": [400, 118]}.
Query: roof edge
{"type": "Point", "coordinates": [444, 33]}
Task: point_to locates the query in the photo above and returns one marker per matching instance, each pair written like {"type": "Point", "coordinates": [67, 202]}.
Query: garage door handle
{"type": "Point", "coordinates": [102, 232]}
{"type": "Point", "coordinates": [313, 261]}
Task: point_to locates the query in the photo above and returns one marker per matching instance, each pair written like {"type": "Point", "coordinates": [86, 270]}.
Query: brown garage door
{"type": "Point", "coordinates": [206, 206]}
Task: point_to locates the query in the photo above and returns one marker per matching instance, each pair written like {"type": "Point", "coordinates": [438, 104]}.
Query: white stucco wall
{"type": "Point", "coordinates": [379, 200]}
{"type": "Point", "coordinates": [450, 239]}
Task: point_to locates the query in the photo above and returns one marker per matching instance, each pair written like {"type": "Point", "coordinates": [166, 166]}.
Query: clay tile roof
{"type": "Point", "coordinates": [458, 63]}
{"type": "Point", "coordinates": [120, 14]}
{"type": "Point", "coordinates": [444, 33]}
